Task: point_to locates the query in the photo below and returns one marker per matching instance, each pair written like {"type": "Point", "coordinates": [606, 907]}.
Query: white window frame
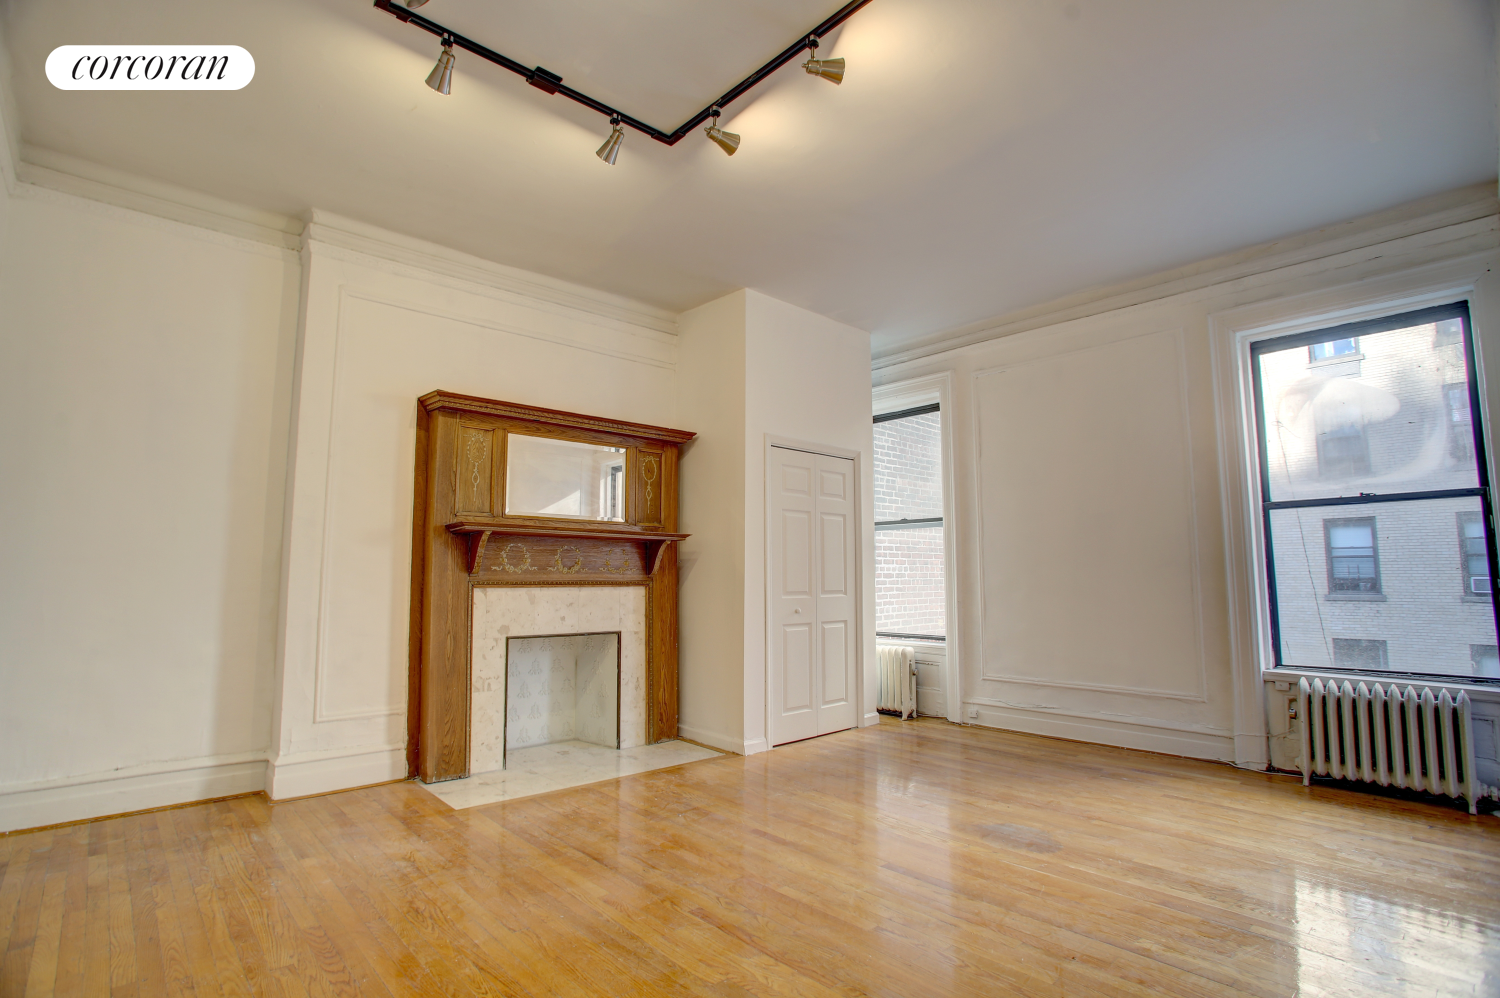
{"type": "Point", "coordinates": [909, 394]}
{"type": "Point", "coordinates": [1231, 333]}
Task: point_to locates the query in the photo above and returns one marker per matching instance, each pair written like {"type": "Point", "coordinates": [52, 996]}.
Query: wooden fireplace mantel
{"type": "Point", "coordinates": [478, 532]}
{"type": "Point", "coordinates": [462, 539]}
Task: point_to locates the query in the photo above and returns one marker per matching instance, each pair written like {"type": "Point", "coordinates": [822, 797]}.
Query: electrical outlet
{"type": "Point", "coordinates": [973, 713]}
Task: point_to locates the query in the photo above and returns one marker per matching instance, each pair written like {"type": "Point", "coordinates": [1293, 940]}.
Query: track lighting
{"type": "Point", "coordinates": [441, 77]}
{"type": "Point", "coordinates": [728, 141]}
{"type": "Point", "coordinates": [831, 70]}
{"type": "Point", "coordinates": [610, 151]}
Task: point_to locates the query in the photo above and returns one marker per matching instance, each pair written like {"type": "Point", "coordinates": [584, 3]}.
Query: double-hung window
{"type": "Point", "coordinates": [910, 592]}
{"type": "Point", "coordinates": [1353, 566]}
{"type": "Point", "coordinates": [1369, 454]}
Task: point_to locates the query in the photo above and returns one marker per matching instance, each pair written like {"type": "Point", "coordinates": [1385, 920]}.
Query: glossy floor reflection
{"type": "Point", "coordinates": [909, 859]}
{"type": "Point", "coordinates": [559, 765]}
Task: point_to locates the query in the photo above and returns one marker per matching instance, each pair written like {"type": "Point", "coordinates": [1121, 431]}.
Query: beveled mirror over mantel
{"type": "Point", "coordinates": [515, 495]}
{"type": "Point", "coordinates": [549, 477]}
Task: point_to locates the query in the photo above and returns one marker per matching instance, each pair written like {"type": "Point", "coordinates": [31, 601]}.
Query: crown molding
{"type": "Point", "coordinates": [96, 182]}
{"type": "Point", "coordinates": [1450, 210]}
{"type": "Point", "coordinates": [331, 229]}
{"type": "Point", "coordinates": [65, 174]}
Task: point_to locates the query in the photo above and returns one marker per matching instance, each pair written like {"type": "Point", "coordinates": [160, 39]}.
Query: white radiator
{"type": "Point", "coordinates": [1409, 738]}
{"type": "Point", "coordinates": [898, 679]}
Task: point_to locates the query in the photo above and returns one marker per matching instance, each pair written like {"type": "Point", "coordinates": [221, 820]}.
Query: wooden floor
{"type": "Point", "coordinates": [907, 859]}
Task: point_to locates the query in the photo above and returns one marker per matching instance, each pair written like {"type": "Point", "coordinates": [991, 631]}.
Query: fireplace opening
{"type": "Point", "coordinates": [563, 687]}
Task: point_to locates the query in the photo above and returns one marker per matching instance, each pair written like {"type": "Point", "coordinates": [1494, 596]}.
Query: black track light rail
{"type": "Point", "coordinates": [552, 83]}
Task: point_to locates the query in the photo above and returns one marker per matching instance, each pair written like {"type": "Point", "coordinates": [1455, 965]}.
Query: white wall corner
{"type": "Point", "coordinates": [304, 774]}
{"type": "Point", "coordinates": [139, 788]}
{"type": "Point", "coordinates": [720, 741]}
{"type": "Point", "coordinates": [711, 403]}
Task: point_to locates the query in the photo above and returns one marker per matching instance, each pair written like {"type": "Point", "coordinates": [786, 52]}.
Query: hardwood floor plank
{"type": "Point", "coordinates": [909, 859]}
{"type": "Point", "coordinates": [122, 980]}
{"type": "Point", "coordinates": [143, 850]}
{"type": "Point", "coordinates": [15, 959]}
{"type": "Point", "coordinates": [42, 976]}
{"type": "Point", "coordinates": [95, 980]}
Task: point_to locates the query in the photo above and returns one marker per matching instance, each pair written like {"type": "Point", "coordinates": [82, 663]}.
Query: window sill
{"type": "Point", "coordinates": [1478, 687]}
{"type": "Point", "coordinates": [1485, 600]}
{"type": "Point", "coordinates": [1355, 597]}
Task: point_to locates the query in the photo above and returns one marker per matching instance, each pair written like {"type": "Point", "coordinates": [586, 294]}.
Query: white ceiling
{"type": "Point", "coordinates": [981, 156]}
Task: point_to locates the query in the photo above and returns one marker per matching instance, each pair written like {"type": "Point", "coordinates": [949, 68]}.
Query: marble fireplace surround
{"type": "Point", "coordinates": [504, 612]}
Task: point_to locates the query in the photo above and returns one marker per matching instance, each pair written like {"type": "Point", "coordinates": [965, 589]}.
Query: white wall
{"type": "Point", "coordinates": [1102, 591]}
{"type": "Point", "coordinates": [145, 378]}
{"type": "Point", "coordinates": [807, 381]}
{"type": "Point", "coordinates": [799, 377]}
{"type": "Point", "coordinates": [711, 563]}
{"type": "Point", "coordinates": [209, 481]}
{"type": "Point", "coordinates": [386, 320]}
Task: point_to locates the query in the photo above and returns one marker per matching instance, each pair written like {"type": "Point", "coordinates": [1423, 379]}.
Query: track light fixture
{"type": "Point", "coordinates": [728, 141]}
{"type": "Point", "coordinates": [831, 70]}
{"type": "Point", "coordinates": [441, 77]}
{"type": "Point", "coordinates": [610, 151]}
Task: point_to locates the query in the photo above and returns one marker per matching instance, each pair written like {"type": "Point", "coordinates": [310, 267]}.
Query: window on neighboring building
{"type": "Point", "coordinates": [1360, 654]}
{"type": "Point", "coordinates": [1332, 349]}
{"type": "Point", "coordinates": [1486, 659]}
{"type": "Point", "coordinates": [1362, 471]}
{"type": "Point", "coordinates": [1475, 556]}
{"type": "Point", "coordinates": [1353, 564]}
{"type": "Point", "coordinates": [1460, 432]}
{"type": "Point", "coordinates": [1343, 451]}
{"type": "Point", "coordinates": [911, 599]}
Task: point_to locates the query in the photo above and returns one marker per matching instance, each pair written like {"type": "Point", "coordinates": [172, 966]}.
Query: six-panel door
{"type": "Point", "coordinates": [813, 585]}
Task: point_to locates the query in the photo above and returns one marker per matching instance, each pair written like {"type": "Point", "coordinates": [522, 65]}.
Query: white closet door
{"type": "Point", "coordinates": [813, 584]}
{"type": "Point", "coordinates": [837, 633]}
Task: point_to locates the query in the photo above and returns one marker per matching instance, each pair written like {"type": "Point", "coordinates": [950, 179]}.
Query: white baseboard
{"type": "Point", "coordinates": [308, 773]}
{"type": "Point", "coordinates": [1252, 751]}
{"type": "Point", "coordinates": [754, 745]}
{"type": "Point", "coordinates": [1192, 744]}
{"type": "Point", "coordinates": [137, 789]}
{"type": "Point", "coordinates": [712, 739]}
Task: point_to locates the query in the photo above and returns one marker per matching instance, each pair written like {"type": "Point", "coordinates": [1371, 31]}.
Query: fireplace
{"type": "Point", "coordinates": [535, 649]}
{"type": "Point", "coordinates": [534, 523]}
{"type": "Point", "coordinates": [562, 688]}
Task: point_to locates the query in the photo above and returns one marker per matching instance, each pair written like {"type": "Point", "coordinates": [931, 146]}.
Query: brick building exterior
{"type": "Point", "coordinates": [1399, 586]}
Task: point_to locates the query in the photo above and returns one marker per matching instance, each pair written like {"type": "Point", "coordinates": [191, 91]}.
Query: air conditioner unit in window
{"type": "Point", "coordinates": [1479, 584]}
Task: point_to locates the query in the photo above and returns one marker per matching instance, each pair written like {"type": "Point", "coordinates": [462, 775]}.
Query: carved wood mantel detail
{"type": "Point", "coordinates": [462, 538]}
